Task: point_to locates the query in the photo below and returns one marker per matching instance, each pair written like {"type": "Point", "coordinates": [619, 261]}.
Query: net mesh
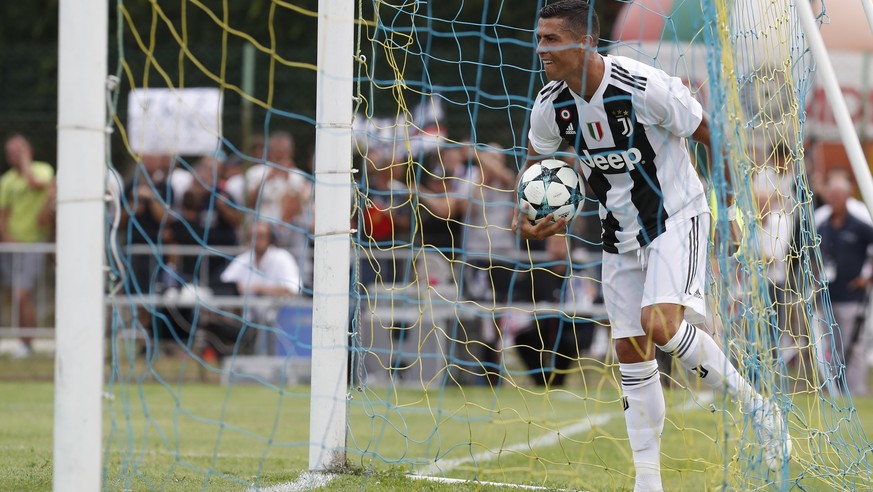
{"type": "Point", "coordinates": [474, 355]}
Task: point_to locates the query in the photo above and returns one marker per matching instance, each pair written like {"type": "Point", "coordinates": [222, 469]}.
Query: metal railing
{"type": "Point", "coordinates": [153, 295]}
{"type": "Point", "coordinates": [43, 293]}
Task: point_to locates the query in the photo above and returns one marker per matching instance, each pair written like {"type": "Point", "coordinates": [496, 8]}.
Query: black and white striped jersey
{"type": "Point", "coordinates": [631, 141]}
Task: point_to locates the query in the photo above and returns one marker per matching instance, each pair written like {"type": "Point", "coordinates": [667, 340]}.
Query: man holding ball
{"type": "Point", "coordinates": [628, 123]}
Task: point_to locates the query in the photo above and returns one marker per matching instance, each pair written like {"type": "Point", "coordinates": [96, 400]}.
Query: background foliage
{"type": "Point", "coordinates": [28, 56]}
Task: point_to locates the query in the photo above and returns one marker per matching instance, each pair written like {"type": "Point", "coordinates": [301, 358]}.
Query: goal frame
{"type": "Point", "coordinates": [82, 160]}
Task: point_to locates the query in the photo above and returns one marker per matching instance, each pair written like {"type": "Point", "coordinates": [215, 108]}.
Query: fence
{"type": "Point", "coordinates": [288, 314]}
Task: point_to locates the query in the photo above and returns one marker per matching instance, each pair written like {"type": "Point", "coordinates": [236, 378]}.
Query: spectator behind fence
{"type": "Point", "coordinates": [549, 343]}
{"type": "Point", "coordinates": [486, 202]}
{"type": "Point", "coordinates": [281, 192]}
{"type": "Point", "coordinates": [146, 215]}
{"type": "Point", "coordinates": [265, 269]}
{"type": "Point", "coordinates": [440, 209]}
{"type": "Point", "coordinates": [233, 177]}
{"type": "Point", "coordinates": [24, 192]}
{"type": "Point", "coordinates": [218, 212]}
{"type": "Point", "coordinates": [845, 241]}
{"type": "Point", "coordinates": [386, 220]}
{"type": "Point", "coordinates": [208, 217]}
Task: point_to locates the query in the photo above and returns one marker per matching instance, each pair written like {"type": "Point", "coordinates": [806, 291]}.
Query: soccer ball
{"type": "Point", "coordinates": [550, 187]}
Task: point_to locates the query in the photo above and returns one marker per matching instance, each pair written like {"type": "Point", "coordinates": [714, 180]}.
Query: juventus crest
{"type": "Point", "coordinates": [623, 118]}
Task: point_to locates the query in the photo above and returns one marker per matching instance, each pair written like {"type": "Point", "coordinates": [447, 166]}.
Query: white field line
{"type": "Point", "coordinates": [494, 484]}
{"type": "Point", "coordinates": [444, 466]}
{"type": "Point", "coordinates": [306, 481]}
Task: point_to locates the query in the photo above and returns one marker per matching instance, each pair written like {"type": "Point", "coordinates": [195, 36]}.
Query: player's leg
{"type": "Point", "coordinates": [673, 294]}
{"type": "Point", "coordinates": [643, 397]}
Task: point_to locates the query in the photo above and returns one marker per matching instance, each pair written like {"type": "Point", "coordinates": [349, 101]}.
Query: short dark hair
{"type": "Point", "coordinates": [580, 17]}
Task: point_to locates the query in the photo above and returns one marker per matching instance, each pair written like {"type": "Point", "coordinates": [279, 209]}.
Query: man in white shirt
{"type": "Point", "coordinates": [265, 269]}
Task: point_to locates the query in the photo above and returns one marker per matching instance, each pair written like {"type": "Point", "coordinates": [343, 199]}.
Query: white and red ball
{"type": "Point", "coordinates": [552, 187]}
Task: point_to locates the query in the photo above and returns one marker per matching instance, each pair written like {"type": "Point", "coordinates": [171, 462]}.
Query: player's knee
{"type": "Point", "coordinates": [631, 350]}
{"type": "Point", "coordinates": [660, 322]}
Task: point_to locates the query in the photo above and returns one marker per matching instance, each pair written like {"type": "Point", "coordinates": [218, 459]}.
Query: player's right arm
{"type": "Point", "coordinates": [521, 224]}
{"type": "Point", "coordinates": [544, 140]}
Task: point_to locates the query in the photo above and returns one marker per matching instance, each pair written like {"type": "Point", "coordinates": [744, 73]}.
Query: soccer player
{"type": "Point", "coordinates": [628, 123]}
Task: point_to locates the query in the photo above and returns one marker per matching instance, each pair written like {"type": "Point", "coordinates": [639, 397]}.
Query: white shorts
{"type": "Point", "coordinates": [670, 270]}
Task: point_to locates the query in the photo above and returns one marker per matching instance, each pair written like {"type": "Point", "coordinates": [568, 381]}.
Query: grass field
{"type": "Point", "coordinates": [182, 434]}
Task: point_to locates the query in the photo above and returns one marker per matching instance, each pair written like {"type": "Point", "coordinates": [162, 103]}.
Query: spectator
{"type": "Point", "coordinates": [777, 225]}
{"type": "Point", "coordinates": [442, 205]}
{"type": "Point", "coordinates": [145, 221]}
{"type": "Point", "coordinates": [845, 240]}
{"type": "Point", "coordinates": [281, 193]}
{"type": "Point", "coordinates": [485, 202]}
{"type": "Point", "coordinates": [233, 174]}
{"type": "Point", "coordinates": [24, 192]}
{"type": "Point", "coordinates": [855, 207]}
{"type": "Point", "coordinates": [257, 145]}
{"type": "Point", "coordinates": [268, 183]}
{"type": "Point", "coordinates": [180, 180]}
{"type": "Point", "coordinates": [264, 270]}
{"type": "Point", "coordinates": [217, 215]}
{"type": "Point", "coordinates": [387, 218]}
{"type": "Point", "coordinates": [48, 213]}
{"type": "Point", "coordinates": [146, 215]}
{"type": "Point", "coordinates": [776, 177]}
{"type": "Point", "coordinates": [550, 343]}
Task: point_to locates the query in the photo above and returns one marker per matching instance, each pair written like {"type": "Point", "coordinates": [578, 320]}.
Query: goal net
{"type": "Point", "coordinates": [472, 354]}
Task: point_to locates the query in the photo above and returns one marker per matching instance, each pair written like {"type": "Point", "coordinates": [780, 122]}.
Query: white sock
{"type": "Point", "coordinates": [644, 416]}
{"type": "Point", "coordinates": [698, 352]}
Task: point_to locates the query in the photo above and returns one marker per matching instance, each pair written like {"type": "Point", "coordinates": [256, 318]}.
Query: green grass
{"type": "Point", "coordinates": [186, 434]}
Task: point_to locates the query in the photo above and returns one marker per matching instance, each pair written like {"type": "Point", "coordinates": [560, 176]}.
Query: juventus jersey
{"type": "Point", "coordinates": [630, 139]}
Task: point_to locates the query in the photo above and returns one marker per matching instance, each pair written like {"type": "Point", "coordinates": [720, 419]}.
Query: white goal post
{"type": "Point", "coordinates": [848, 134]}
{"type": "Point", "coordinates": [81, 163]}
{"type": "Point", "coordinates": [333, 201]}
{"type": "Point", "coordinates": [83, 36]}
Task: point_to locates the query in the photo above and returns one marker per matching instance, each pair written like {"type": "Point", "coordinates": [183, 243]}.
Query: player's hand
{"type": "Point", "coordinates": [541, 230]}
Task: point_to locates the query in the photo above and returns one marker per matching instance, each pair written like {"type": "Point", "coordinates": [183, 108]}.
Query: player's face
{"type": "Point", "coordinates": [561, 51]}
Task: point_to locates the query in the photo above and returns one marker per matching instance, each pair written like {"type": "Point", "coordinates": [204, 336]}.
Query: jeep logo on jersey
{"type": "Point", "coordinates": [612, 163]}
